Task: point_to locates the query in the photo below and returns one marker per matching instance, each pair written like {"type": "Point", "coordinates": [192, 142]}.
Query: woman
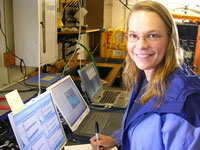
{"type": "Point", "coordinates": [164, 106]}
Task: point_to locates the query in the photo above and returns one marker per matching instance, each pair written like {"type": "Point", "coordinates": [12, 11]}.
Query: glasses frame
{"type": "Point", "coordinates": [145, 37]}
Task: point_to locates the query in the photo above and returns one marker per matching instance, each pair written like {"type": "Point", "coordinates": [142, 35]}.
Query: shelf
{"type": "Point", "coordinates": [63, 36]}
{"type": "Point", "coordinates": [92, 30]}
{"type": "Point", "coordinates": [76, 32]}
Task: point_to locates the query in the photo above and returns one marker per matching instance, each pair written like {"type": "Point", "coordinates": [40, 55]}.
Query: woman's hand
{"type": "Point", "coordinates": [103, 142]}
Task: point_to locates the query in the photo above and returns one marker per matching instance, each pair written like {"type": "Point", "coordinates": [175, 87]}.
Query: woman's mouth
{"type": "Point", "coordinates": [143, 55]}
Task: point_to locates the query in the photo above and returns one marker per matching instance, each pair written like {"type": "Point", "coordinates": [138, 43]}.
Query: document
{"type": "Point", "coordinates": [84, 147]}
{"type": "Point", "coordinates": [14, 101]}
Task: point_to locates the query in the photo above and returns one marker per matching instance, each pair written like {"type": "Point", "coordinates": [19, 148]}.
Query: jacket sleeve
{"type": "Point", "coordinates": [182, 131]}
{"type": "Point", "coordinates": [179, 134]}
{"type": "Point", "coordinates": [117, 135]}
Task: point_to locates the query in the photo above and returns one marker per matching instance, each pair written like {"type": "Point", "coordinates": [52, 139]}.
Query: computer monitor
{"type": "Point", "coordinates": [69, 101]}
{"type": "Point", "coordinates": [91, 79]}
{"type": "Point", "coordinates": [38, 126]}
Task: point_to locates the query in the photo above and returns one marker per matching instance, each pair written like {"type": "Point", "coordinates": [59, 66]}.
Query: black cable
{"type": "Point", "coordinates": [125, 5]}
{"type": "Point", "coordinates": [8, 140]}
{"type": "Point", "coordinates": [100, 108]}
{"type": "Point", "coordinates": [8, 127]}
{"type": "Point", "coordinates": [22, 63]}
{"type": "Point", "coordinates": [29, 90]}
{"type": "Point", "coordinates": [28, 86]}
{"type": "Point", "coordinates": [7, 49]}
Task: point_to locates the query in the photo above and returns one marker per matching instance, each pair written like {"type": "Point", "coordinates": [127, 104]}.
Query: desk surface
{"type": "Point", "coordinates": [24, 96]}
{"type": "Point", "coordinates": [111, 126]}
{"type": "Point", "coordinates": [110, 78]}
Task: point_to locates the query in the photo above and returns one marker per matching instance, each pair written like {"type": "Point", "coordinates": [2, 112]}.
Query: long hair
{"type": "Point", "coordinates": [173, 58]}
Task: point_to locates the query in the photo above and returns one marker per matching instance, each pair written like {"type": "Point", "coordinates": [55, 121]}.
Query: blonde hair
{"type": "Point", "coordinates": [172, 59]}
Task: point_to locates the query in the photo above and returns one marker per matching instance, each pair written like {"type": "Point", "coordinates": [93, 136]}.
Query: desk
{"type": "Point", "coordinates": [114, 123]}
{"type": "Point", "coordinates": [24, 96]}
{"type": "Point", "coordinates": [110, 78]}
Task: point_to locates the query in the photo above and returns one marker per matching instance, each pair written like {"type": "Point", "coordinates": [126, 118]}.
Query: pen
{"type": "Point", "coordinates": [97, 132]}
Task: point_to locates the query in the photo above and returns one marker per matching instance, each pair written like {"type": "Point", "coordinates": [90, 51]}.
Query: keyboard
{"type": "Point", "coordinates": [100, 117]}
{"type": "Point", "coordinates": [109, 96]}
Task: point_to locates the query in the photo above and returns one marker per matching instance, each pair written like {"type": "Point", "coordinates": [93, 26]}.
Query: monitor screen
{"type": "Point", "coordinates": [38, 126]}
{"type": "Point", "coordinates": [90, 79]}
{"type": "Point", "coordinates": [69, 101]}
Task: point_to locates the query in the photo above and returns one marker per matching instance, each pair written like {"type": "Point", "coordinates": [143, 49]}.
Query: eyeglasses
{"type": "Point", "coordinates": [151, 37]}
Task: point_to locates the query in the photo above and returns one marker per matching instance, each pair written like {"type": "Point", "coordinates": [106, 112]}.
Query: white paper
{"type": "Point", "coordinates": [84, 147]}
{"type": "Point", "coordinates": [14, 101]}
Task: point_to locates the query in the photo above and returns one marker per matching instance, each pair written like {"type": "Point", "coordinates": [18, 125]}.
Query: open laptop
{"type": "Point", "coordinates": [99, 95]}
{"type": "Point", "coordinates": [38, 126]}
{"type": "Point", "coordinates": [78, 116]}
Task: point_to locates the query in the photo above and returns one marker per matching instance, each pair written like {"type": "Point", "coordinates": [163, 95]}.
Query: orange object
{"type": "Point", "coordinates": [194, 19]}
{"type": "Point", "coordinates": [197, 54]}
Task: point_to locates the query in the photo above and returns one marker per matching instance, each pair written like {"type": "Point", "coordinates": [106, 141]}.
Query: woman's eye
{"type": "Point", "coordinates": [153, 36]}
{"type": "Point", "coordinates": [133, 36]}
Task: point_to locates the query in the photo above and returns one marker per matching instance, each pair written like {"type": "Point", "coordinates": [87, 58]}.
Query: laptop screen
{"type": "Point", "coordinates": [90, 79]}
{"type": "Point", "coordinates": [38, 126]}
{"type": "Point", "coordinates": [69, 101]}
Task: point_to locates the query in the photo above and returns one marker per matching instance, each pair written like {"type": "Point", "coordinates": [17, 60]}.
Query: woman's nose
{"type": "Point", "coordinates": [141, 43]}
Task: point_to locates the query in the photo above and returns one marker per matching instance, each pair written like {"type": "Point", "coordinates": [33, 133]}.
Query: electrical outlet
{"type": "Point", "coordinates": [9, 59]}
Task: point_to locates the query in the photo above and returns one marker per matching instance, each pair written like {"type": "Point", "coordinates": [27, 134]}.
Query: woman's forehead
{"type": "Point", "coordinates": [145, 21]}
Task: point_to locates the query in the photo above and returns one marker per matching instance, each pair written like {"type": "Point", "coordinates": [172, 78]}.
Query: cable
{"type": "Point", "coordinates": [7, 49]}
{"type": "Point", "coordinates": [125, 5]}
{"type": "Point", "coordinates": [2, 98]}
{"type": "Point", "coordinates": [93, 52]}
{"type": "Point", "coordinates": [8, 140]}
{"type": "Point", "coordinates": [23, 71]}
{"type": "Point", "coordinates": [2, 106]}
{"type": "Point", "coordinates": [29, 85]}
{"type": "Point", "coordinates": [29, 90]}
{"type": "Point", "coordinates": [107, 108]}
{"type": "Point", "coordinates": [22, 63]}
{"type": "Point", "coordinates": [90, 56]}
{"type": "Point", "coordinates": [76, 47]}
{"type": "Point", "coordinates": [26, 85]}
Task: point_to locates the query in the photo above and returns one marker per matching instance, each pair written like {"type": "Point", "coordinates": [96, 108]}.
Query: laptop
{"type": "Point", "coordinates": [38, 126]}
{"type": "Point", "coordinates": [77, 114]}
{"type": "Point", "coordinates": [97, 93]}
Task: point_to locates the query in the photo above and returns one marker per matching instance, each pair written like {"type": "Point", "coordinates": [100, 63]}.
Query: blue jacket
{"type": "Point", "coordinates": [175, 125]}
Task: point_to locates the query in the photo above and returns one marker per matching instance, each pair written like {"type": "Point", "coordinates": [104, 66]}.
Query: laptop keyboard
{"type": "Point", "coordinates": [109, 96]}
{"type": "Point", "coordinates": [100, 117]}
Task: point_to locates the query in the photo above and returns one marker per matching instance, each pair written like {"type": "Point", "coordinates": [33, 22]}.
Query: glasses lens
{"type": "Point", "coordinates": [148, 37]}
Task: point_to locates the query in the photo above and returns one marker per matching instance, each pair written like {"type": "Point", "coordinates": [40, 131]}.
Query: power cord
{"type": "Point", "coordinates": [7, 138]}
{"type": "Point", "coordinates": [90, 56]}
{"type": "Point", "coordinates": [107, 108]}
{"type": "Point", "coordinates": [22, 63]}
{"type": "Point", "coordinates": [79, 33]}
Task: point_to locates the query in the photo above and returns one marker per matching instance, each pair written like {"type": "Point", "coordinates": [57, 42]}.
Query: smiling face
{"type": "Point", "coordinates": [150, 47]}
